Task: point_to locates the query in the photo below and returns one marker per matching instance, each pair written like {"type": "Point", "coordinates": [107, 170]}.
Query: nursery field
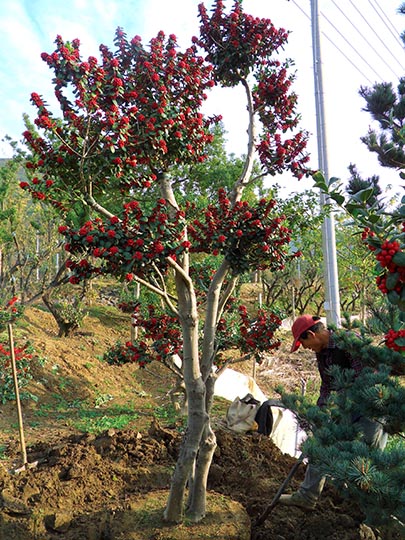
{"type": "Point", "coordinates": [102, 442]}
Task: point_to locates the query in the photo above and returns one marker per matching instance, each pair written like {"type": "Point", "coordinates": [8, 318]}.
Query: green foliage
{"type": "Point", "coordinates": [168, 413]}
{"type": "Point", "coordinates": [71, 311]}
{"type": "Point", "coordinates": [200, 182]}
{"type": "Point", "coordinates": [28, 235]}
{"type": "Point", "coordinates": [372, 477]}
{"type": "Point", "coordinates": [98, 420]}
{"type": "Point", "coordinates": [386, 107]}
{"type": "Point", "coordinates": [382, 315]}
{"type": "Point", "coordinates": [358, 184]}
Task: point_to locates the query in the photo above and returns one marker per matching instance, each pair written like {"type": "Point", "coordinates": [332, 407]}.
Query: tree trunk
{"type": "Point", "coordinates": [185, 466]}
{"type": "Point", "coordinates": [195, 390]}
{"type": "Point", "coordinates": [65, 328]}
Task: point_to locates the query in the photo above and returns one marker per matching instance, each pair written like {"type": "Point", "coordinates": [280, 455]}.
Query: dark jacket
{"type": "Point", "coordinates": [333, 356]}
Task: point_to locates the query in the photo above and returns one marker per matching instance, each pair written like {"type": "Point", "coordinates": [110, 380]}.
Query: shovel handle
{"type": "Point", "coordinates": [281, 489]}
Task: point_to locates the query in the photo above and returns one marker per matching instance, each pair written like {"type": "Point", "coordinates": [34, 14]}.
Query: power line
{"type": "Point", "coordinates": [385, 24]}
{"type": "Point", "coordinates": [362, 35]}
{"type": "Point", "coordinates": [392, 30]}
{"type": "Point", "coordinates": [336, 46]}
{"type": "Point", "coordinates": [350, 45]}
{"type": "Point", "coordinates": [302, 10]}
{"type": "Point", "coordinates": [355, 65]}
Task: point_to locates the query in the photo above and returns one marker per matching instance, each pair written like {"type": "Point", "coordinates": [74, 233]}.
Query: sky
{"type": "Point", "coordinates": [360, 45]}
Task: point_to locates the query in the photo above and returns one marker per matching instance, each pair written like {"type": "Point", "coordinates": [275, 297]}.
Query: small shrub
{"type": "Point", "coordinates": [10, 312]}
{"type": "Point", "coordinates": [23, 359]}
{"type": "Point", "coordinates": [120, 354]}
{"type": "Point", "coordinates": [71, 312]}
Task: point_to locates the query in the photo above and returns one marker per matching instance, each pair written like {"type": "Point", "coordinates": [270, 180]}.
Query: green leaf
{"type": "Point", "coordinates": [338, 198]}
{"type": "Point", "coordinates": [399, 258]}
{"type": "Point", "coordinates": [393, 298]}
{"type": "Point", "coordinates": [333, 180]}
{"type": "Point", "coordinates": [320, 181]}
{"type": "Point", "coordinates": [353, 205]}
{"type": "Point", "coordinates": [364, 194]}
{"type": "Point", "coordinates": [378, 268]}
{"type": "Point", "coordinates": [392, 280]}
{"type": "Point", "coordinates": [374, 218]}
{"type": "Point", "coordinates": [400, 341]}
{"type": "Point", "coordinates": [401, 210]}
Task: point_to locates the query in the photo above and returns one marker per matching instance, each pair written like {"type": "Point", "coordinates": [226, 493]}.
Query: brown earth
{"type": "Point", "coordinates": [114, 485]}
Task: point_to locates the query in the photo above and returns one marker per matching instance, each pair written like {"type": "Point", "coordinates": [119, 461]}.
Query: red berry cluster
{"type": "Point", "coordinates": [162, 331]}
{"type": "Point", "coordinates": [162, 336]}
{"type": "Point", "coordinates": [120, 354]}
{"type": "Point", "coordinates": [238, 45]}
{"type": "Point", "coordinates": [249, 236]}
{"type": "Point", "coordinates": [386, 254]}
{"type": "Point", "coordinates": [391, 279]}
{"type": "Point", "coordinates": [391, 259]}
{"type": "Point", "coordinates": [366, 235]}
{"type": "Point", "coordinates": [395, 340]}
{"type": "Point", "coordinates": [22, 360]}
{"type": "Point", "coordinates": [136, 109]}
{"type": "Point", "coordinates": [257, 335]}
{"type": "Point", "coordinates": [10, 312]}
{"type": "Point", "coordinates": [127, 246]}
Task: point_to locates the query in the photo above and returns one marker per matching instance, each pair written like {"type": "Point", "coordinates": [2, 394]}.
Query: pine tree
{"type": "Point", "coordinates": [374, 478]}
{"type": "Point", "coordinates": [357, 183]}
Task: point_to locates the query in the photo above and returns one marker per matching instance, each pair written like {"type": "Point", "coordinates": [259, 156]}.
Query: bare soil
{"type": "Point", "coordinates": [114, 485]}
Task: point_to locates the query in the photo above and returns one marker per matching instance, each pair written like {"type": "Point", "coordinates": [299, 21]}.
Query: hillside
{"type": "Point", "coordinates": [113, 485]}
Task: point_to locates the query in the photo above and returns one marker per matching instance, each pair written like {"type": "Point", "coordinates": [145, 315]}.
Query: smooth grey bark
{"type": "Point", "coordinates": [199, 443]}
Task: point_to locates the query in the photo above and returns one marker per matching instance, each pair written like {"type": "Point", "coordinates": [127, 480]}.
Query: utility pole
{"type": "Point", "coordinates": [332, 300]}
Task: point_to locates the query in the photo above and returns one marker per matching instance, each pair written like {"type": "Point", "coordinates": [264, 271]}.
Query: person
{"type": "Point", "coordinates": [311, 333]}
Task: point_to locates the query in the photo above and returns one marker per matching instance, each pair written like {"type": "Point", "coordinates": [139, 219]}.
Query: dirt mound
{"type": "Point", "coordinates": [90, 487]}
{"type": "Point", "coordinates": [114, 486]}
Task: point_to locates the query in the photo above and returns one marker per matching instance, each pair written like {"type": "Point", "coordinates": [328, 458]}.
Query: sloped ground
{"type": "Point", "coordinates": [114, 486]}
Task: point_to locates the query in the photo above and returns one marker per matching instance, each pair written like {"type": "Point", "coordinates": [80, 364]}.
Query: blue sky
{"type": "Point", "coordinates": [359, 41]}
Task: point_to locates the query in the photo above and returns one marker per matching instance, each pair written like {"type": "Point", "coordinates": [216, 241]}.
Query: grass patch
{"type": "Point", "coordinates": [108, 316]}
{"type": "Point", "coordinates": [98, 420]}
{"type": "Point", "coordinates": [3, 450]}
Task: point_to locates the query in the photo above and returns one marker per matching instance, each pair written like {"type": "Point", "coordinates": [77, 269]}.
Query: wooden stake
{"type": "Point", "coordinates": [17, 394]}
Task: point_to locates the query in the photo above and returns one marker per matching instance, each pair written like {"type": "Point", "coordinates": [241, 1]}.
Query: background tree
{"type": "Point", "coordinates": [126, 124]}
{"type": "Point", "coordinates": [387, 108]}
{"type": "Point", "coordinates": [355, 269]}
{"type": "Point", "coordinates": [31, 250]}
{"type": "Point", "coordinates": [356, 183]}
{"type": "Point", "coordinates": [299, 288]}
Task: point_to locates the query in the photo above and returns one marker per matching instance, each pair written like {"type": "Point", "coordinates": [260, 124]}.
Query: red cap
{"type": "Point", "coordinates": [301, 325]}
